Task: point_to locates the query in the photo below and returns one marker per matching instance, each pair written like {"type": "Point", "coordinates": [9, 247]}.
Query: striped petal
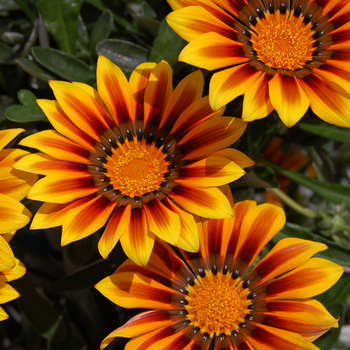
{"type": "Point", "coordinates": [137, 241]}
{"type": "Point", "coordinates": [55, 145]}
{"type": "Point", "coordinates": [199, 53]}
{"type": "Point", "coordinates": [157, 93]}
{"type": "Point", "coordinates": [163, 222]}
{"type": "Point", "coordinates": [9, 157]}
{"type": "Point", "coordinates": [258, 226]}
{"type": "Point", "coordinates": [235, 156]}
{"type": "Point", "coordinates": [8, 135]}
{"type": "Point", "coordinates": [312, 278]}
{"type": "Point", "coordinates": [189, 90]}
{"type": "Point", "coordinates": [325, 103]}
{"type": "Point", "coordinates": [256, 102]}
{"type": "Point", "coordinates": [288, 98]}
{"type": "Point", "coordinates": [13, 214]}
{"type": "Point", "coordinates": [7, 259]}
{"type": "Point", "coordinates": [86, 219]}
{"type": "Point", "coordinates": [64, 125]}
{"type": "Point", "coordinates": [56, 188]}
{"type": "Point", "coordinates": [138, 82]}
{"type": "Point", "coordinates": [114, 89]}
{"type": "Point", "coordinates": [14, 273]}
{"type": "Point", "coordinates": [142, 323]}
{"type": "Point", "coordinates": [7, 293]}
{"type": "Point", "coordinates": [205, 202]}
{"type": "Point", "coordinates": [117, 225]}
{"type": "Point", "coordinates": [211, 136]}
{"type": "Point", "coordinates": [193, 21]}
{"type": "Point", "coordinates": [287, 254]}
{"type": "Point", "coordinates": [226, 85]}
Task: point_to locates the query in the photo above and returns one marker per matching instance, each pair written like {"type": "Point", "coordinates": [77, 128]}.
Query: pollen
{"type": "Point", "coordinates": [217, 304]}
{"type": "Point", "coordinates": [283, 42]}
{"type": "Point", "coordinates": [136, 168]}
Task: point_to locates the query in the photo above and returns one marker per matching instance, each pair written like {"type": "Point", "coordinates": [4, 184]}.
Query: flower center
{"type": "Point", "coordinates": [282, 42]}
{"type": "Point", "coordinates": [217, 304]}
{"type": "Point", "coordinates": [136, 168]}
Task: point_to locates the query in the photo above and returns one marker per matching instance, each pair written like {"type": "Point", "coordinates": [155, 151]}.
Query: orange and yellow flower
{"type": "Point", "coordinates": [138, 154]}
{"type": "Point", "coordinates": [14, 185]}
{"type": "Point", "coordinates": [214, 296]}
{"type": "Point", "coordinates": [281, 55]}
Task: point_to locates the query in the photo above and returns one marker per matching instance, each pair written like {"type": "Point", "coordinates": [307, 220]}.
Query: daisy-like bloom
{"type": "Point", "coordinates": [138, 154]}
{"type": "Point", "coordinates": [14, 185]}
{"type": "Point", "coordinates": [214, 296]}
{"type": "Point", "coordinates": [283, 55]}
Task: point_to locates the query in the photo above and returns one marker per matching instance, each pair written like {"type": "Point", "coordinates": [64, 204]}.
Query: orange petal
{"type": "Point", "coordinates": [82, 109]}
{"type": "Point", "coordinates": [286, 255]}
{"type": "Point", "coordinates": [192, 21]}
{"type": "Point", "coordinates": [13, 214]}
{"type": "Point", "coordinates": [14, 273]}
{"type": "Point", "coordinates": [210, 172]}
{"type": "Point", "coordinates": [288, 98]}
{"type": "Point", "coordinates": [55, 145]}
{"type": "Point", "coordinates": [325, 103]}
{"type": "Point", "coordinates": [117, 225]}
{"type": "Point", "coordinates": [9, 157]}
{"type": "Point", "coordinates": [138, 82]}
{"type": "Point", "coordinates": [312, 278]}
{"type": "Point", "coordinates": [86, 219]}
{"type": "Point", "coordinates": [259, 225]}
{"type": "Point", "coordinates": [226, 85]}
{"type": "Point", "coordinates": [187, 92]}
{"type": "Point", "coordinates": [188, 239]}
{"type": "Point", "coordinates": [64, 125]}
{"type": "Point", "coordinates": [163, 222]}
{"type": "Point", "coordinates": [137, 241]}
{"type": "Point", "coordinates": [195, 114]}
{"type": "Point", "coordinates": [206, 202]}
{"type": "Point", "coordinates": [114, 90]}
{"type": "Point", "coordinates": [236, 156]}
{"type": "Point", "coordinates": [256, 102]}
{"type": "Point", "coordinates": [158, 90]}
{"type": "Point", "coordinates": [56, 188]}
{"type": "Point", "coordinates": [8, 135]}
{"type": "Point", "coordinates": [213, 51]}
{"type": "Point", "coordinates": [211, 136]}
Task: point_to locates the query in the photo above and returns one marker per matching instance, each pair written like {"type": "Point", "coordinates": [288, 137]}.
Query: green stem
{"type": "Point", "coordinates": [292, 203]}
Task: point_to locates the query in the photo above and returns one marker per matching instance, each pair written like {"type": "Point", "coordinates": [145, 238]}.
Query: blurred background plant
{"type": "Point", "coordinates": [305, 169]}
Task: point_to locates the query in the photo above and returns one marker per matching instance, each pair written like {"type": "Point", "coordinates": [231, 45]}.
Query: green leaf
{"type": "Point", "coordinates": [83, 39]}
{"type": "Point", "coordinates": [144, 15]}
{"type": "Point", "coordinates": [332, 192]}
{"type": "Point", "coordinates": [26, 9]}
{"type": "Point", "coordinates": [28, 112]}
{"type": "Point", "coordinates": [35, 70]}
{"type": "Point", "coordinates": [8, 5]}
{"type": "Point", "coordinates": [102, 29]}
{"type": "Point", "coordinates": [64, 65]}
{"type": "Point", "coordinates": [39, 312]}
{"type": "Point", "coordinates": [335, 252]}
{"type": "Point", "coordinates": [328, 131]}
{"type": "Point", "coordinates": [126, 55]}
{"type": "Point", "coordinates": [6, 53]}
{"type": "Point", "coordinates": [167, 45]}
{"type": "Point", "coordinates": [60, 18]}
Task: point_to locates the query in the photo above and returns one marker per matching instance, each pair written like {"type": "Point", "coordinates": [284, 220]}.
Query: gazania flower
{"type": "Point", "coordinates": [136, 154]}
{"type": "Point", "coordinates": [14, 185]}
{"type": "Point", "coordinates": [282, 55]}
{"type": "Point", "coordinates": [214, 296]}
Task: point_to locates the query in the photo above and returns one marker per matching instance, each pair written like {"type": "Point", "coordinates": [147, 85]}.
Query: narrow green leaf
{"type": "Point", "coordinates": [60, 18]}
{"type": "Point", "coordinates": [126, 55]}
{"type": "Point", "coordinates": [102, 29]}
{"type": "Point", "coordinates": [64, 65]}
{"type": "Point", "coordinates": [28, 112]}
{"type": "Point", "coordinates": [35, 70]}
{"type": "Point", "coordinates": [25, 8]}
{"type": "Point", "coordinates": [335, 252]}
{"type": "Point", "coordinates": [83, 40]}
{"type": "Point", "coordinates": [167, 45]}
{"type": "Point", "coordinates": [328, 131]}
{"type": "Point", "coordinates": [332, 192]}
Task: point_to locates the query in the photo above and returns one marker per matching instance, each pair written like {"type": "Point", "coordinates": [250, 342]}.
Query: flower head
{"type": "Point", "coordinates": [215, 296]}
{"type": "Point", "coordinates": [14, 185]}
{"type": "Point", "coordinates": [281, 55]}
{"type": "Point", "coordinates": [138, 154]}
